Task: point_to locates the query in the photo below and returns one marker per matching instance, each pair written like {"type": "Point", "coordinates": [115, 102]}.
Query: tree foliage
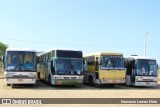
{"type": "Point", "coordinates": [3, 48]}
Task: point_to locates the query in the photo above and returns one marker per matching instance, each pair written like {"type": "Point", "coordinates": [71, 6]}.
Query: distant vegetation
{"type": "Point", "coordinates": [3, 48]}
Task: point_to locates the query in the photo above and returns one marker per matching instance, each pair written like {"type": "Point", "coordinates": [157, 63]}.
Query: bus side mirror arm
{"type": "Point", "coordinates": [3, 58]}
{"type": "Point", "coordinates": [37, 60]}
{"type": "Point", "coordinates": [85, 66]}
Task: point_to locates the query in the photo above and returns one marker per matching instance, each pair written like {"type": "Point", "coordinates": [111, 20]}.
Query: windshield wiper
{"type": "Point", "coordinates": [28, 70]}
{"type": "Point", "coordinates": [18, 66]}
{"type": "Point", "coordinates": [68, 69]}
{"type": "Point", "coordinates": [116, 66]}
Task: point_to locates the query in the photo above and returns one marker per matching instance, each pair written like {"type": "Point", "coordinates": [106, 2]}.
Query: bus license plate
{"type": "Point", "coordinates": [20, 80]}
{"type": "Point", "coordinates": [114, 81]}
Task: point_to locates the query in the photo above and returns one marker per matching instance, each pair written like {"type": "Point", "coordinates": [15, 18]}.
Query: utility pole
{"type": "Point", "coordinates": [145, 43]}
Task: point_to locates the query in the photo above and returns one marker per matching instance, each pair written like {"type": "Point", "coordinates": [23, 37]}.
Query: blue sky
{"type": "Point", "coordinates": [87, 25]}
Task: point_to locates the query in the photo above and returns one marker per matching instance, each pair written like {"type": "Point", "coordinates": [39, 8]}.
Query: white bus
{"type": "Point", "coordinates": [141, 71]}
{"type": "Point", "coordinates": [20, 66]}
{"type": "Point", "coordinates": [61, 67]}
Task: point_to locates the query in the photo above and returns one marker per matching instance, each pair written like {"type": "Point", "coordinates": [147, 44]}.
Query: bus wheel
{"type": "Point", "coordinates": [90, 80]}
{"type": "Point", "coordinates": [12, 85]}
{"type": "Point", "coordinates": [49, 80]}
{"type": "Point", "coordinates": [112, 85]}
{"type": "Point", "coordinates": [8, 84]}
{"type": "Point", "coordinates": [101, 85]}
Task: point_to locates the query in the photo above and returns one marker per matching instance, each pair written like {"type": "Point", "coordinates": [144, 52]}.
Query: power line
{"type": "Point", "coordinates": [153, 47]}
{"type": "Point", "coordinates": [40, 42]}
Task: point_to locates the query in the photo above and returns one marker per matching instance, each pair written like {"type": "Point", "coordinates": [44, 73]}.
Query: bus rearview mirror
{"type": "Point", "coordinates": [3, 58]}
{"type": "Point", "coordinates": [85, 66]}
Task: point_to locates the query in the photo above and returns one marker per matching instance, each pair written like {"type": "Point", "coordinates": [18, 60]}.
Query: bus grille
{"type": "Point", "coordinates": [20, 76]}
{"type": "Point", "coordinates": [70, 77]}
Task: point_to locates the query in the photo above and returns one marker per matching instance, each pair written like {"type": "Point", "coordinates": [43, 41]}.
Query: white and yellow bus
{"type": "Point", "coordinates": [104, 68]}
{"type": "Point", "coordinates": [20, 66]}
{"type": "Point", "coordinates": [141, 71]}
{"type": "Point", "coordinates": [61, 67]}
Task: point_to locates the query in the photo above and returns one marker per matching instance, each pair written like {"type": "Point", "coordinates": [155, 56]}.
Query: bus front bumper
{"type": "Point", "coordinates": [115, 81]}
{"type": "Point", "coordinates": [146, 84]}
{"type": "Point", "coordinates": [68, 81]}
{"type": "Point", "coordinates": [20, 80]}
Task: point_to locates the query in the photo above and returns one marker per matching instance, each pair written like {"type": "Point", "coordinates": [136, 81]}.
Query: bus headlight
{"type": "Point", "coordinates": [139, 78]}
{"type": "Point", "coordinates": [58, 77]}
{"type": "Point", "coordinates": [155, 79]}
{"type": "Point", "coordinates": [80, 77]}
{"type": "Point", "coordinates": [8, 75]}
{"type": "Point", "coordinates": [32, 75]}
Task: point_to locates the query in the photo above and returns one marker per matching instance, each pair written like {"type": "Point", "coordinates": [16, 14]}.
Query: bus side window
{"type": "Point", "coordinates": [96, 68]}
{"type": "Point", "coordinates": [135, 68]}
{"type": "Point", "coordinates": [15, 59]}
{"type": "Point", "coordinates": [85, 65]}
{"type": "Point", "coordinates": [52, 67]}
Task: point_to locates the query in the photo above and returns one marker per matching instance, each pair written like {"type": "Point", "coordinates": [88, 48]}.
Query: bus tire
{"type": "Point", "coordinates": [90, 80]}
{"type": "Point", "coordinates": [112, 85]}
{"type": "Point", "coordinates": [8, 84]}
{"type": "Point", "coordinates": [49, 80]}
{"type": "Point", "coordinates": [12, 85]}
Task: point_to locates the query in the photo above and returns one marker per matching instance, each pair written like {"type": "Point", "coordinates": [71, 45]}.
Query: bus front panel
{"type": "Point", "coordinates": [112, 76]}
{"type": "Point", "coordinates": [145, 81]}
{"type": "Point", "coordinates": [20, 77]}
{"type": "Point", "coordinates": [67, 80]}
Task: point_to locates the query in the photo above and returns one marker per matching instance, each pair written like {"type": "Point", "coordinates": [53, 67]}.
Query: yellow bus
{"type": "Point", "coordinates": [104, 68]}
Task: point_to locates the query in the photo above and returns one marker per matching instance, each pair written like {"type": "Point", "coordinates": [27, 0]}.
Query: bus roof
{"type": "Point", "coordinates": [63, 49]}
{"type": "Point", "coordinates": [20, 49]}
{"type": "Point", "coordinates": [103, 53]}
{"type": "Point", "coordinates": [55, 49]}
{"type": "Point", "coordinates": [140, 57]}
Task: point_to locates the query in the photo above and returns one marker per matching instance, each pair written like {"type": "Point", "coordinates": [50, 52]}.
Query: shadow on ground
{"type": "Point", "coordinates": [40, 85]}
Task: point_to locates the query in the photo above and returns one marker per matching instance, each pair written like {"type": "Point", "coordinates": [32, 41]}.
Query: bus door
{"type": "Point", "coordinates": [133, 77]}
{"type": "Point", "coordinates": [130, 74]}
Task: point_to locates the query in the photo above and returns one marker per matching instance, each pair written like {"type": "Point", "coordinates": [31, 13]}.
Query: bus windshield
{"type": "Point", "coordinates": [69, 67]}
{"type": "Point", "coordinates": [112, 62]}
{"type": "Point", "coordinates": [20, 61]}
{"type": "Point", "coordinates": [146, 67]}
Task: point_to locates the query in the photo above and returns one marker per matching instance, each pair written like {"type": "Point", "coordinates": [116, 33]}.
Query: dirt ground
{"type": "Point", "coordinates": [42, 90]}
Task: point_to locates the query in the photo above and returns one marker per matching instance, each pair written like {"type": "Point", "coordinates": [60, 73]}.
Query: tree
{"type": "Point", "coordinates": [3, 48]}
